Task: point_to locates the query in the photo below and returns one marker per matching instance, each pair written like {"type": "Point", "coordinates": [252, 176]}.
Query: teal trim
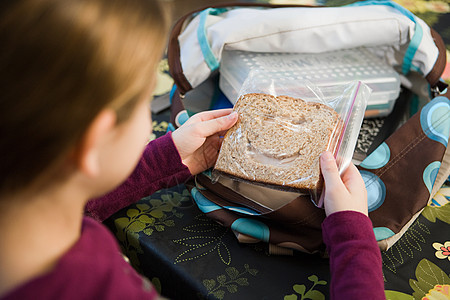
{"type": "Point", "coordinates": [417, 69]}
{"type": "Point", "coordinates": [208, 55]}
{"type": "Point", "coordinates": [412, 49]}
{"type": "Point", "coordinates": [414, 106]}
{"type": "Point", "coordinates": [170, 127]}
{"type": "Point", "coordinates": [242, 210]}
{"type": "Point", "coordinates": [378, 106]}
{"type": "Point", "coordinates": [416, 38]}
{"type": "Point", "coordinates": [172, 93]}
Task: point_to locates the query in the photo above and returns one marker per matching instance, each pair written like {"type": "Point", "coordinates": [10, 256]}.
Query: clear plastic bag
{"type": "Point", "coordinates": [284, 125]}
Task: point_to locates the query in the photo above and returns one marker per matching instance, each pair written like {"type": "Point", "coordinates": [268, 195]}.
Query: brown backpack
{"type": "Point", "coordinates": [401, 174]}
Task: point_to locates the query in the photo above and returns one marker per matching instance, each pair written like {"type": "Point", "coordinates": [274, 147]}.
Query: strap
{"type": "Point", "coordinates": [172, 92]}
{"type": "Point", "coordinates": [412, 49]}
{"type": "Point", "coordinates": [208, 55]}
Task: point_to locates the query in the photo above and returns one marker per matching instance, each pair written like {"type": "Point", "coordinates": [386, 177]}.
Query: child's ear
{"type": "Point", "coordinates": [90, 147]}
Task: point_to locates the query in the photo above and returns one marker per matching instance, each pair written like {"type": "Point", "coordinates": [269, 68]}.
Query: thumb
{"type": "Point", "coordinates": [330, 171]}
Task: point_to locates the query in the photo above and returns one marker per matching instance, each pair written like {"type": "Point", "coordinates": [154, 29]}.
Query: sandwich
{"type": "Point", "coordinates": [277, 142]}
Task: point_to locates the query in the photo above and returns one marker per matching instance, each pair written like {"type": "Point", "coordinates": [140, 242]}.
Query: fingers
{"type": "Point", "coordinates": [352, 180]}
{"type": "Point", "coordinates": [209, 115]}
{"type": "Point", "coordinates": [346, 192]}
{"type": "Point", "coordinates": [330, 171]}
{"type": "Point", "coordinates": [214, 125]}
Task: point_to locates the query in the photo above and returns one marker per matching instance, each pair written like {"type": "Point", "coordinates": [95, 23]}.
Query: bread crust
{"type": "Point", "coordinates": [277, 141]}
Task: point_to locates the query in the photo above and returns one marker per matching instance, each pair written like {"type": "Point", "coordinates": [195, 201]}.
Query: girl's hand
{"type": "Point", "coordinates": [198, 140]}
{"type": "Point", "coordinates": [342, 193]}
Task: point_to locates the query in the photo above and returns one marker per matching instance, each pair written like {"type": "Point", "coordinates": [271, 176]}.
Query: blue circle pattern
{"type": "Point", "coordinates": [249, 227]}
{"type": "Point", "coordinates": [430, 173]}
{"type": "Point", "coordinates": [207, 206]}
{"type": "Point", "coordinates": [252, 228]}
{"type": "Point", "coordinates": [382, 233]}
{"type": "Point", "coordinates": [203, 203]}
{"type": "Point", "coordinates": [376, 190]}
{"type": "Point", "coordinates": [181, 118]}
{"type": "Point", "coordinates": [378, 158]}
{"type": "Point", "coordinates": [435, 120]}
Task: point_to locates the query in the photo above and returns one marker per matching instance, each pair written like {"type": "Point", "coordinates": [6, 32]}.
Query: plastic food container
{"type": "Point", "coordinates": [323, 69]}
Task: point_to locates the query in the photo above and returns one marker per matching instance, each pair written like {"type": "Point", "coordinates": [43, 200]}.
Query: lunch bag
{"type": "Point", "coordinates": [401, 175]}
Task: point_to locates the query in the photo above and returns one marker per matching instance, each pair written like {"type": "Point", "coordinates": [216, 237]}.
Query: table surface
{"type": "Point", "coordinates": [188, 256]}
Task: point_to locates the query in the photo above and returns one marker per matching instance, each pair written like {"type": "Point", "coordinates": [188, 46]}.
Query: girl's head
{"type": "Point", "coordinates": [62, 62]}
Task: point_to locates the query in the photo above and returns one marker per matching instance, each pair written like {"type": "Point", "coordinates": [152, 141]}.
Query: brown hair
{"type": "Point", "coordinates": [61, 63]}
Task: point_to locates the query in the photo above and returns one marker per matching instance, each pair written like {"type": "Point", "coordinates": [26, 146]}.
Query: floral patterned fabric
{"type": "Point", "coordinates": [189, 256]}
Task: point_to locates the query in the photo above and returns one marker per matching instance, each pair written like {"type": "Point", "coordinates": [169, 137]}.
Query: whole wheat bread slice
{"type": "Point", "coordinates": [277, 141]}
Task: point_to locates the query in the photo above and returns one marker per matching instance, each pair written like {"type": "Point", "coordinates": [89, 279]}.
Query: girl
{"type": "Point", "coordinates": [76, 79]}
{"type": "Point", "coordinates": [76, 76]}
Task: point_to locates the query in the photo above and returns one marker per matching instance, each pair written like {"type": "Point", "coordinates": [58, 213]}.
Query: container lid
{"type": "Point", "coordinates": [322, 69]}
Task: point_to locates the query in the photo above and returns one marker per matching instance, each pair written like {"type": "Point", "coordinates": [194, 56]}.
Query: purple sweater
{"type": "Point", "coordinates": [160, 167]}
{"type": "Point", "coordinates": [94, 268]}
{"type": "Point", "coordinates": [355, 259]}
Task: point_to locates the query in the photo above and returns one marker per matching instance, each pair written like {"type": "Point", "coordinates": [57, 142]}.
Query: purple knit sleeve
{"type": "Point", "coordinates": [159, 167]}
{"type": "Point", "coordinates": [355, 259]}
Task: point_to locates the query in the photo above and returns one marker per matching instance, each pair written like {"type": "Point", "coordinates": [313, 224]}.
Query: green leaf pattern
{"type": "Point", "coordinates": [208, 238]}
{"type": "Point", "coordinates": [311, 293]}
{"type": "Point", "coordinates": [410, 244]}
{"type": "Point", "coordinates": [394, 295]}
{"type": "Point", "coordinates": [228, 282]}
{"type": "Point", "coordinates": [437, 212]}
{"type": "Point", "coordinates": [160, 126]}
{"type": "Point", "coordinates": [428, 278]}
{"type": "Point", "coordinates": [428, 275]}
{"type": "Point", "coordinates": [148, 216]}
